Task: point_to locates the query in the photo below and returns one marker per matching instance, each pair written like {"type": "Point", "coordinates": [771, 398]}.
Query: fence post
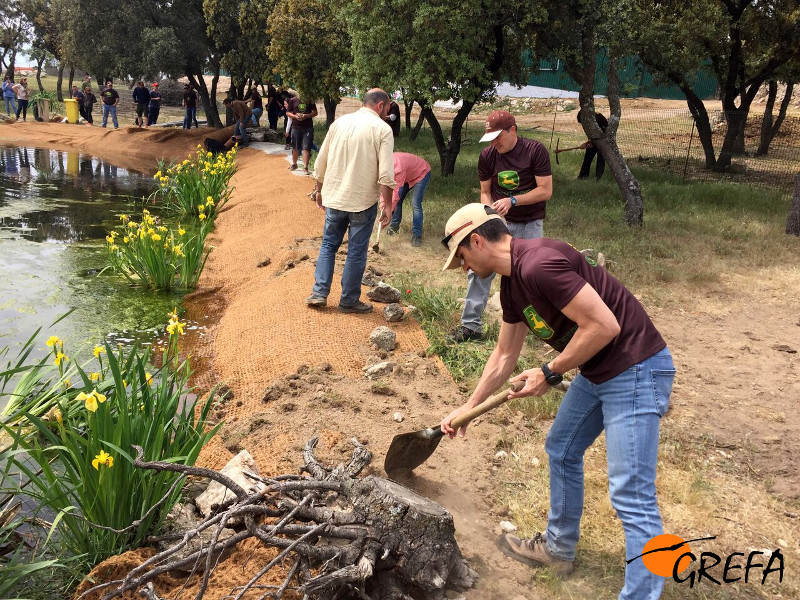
{"type": "Point", "coordinates": [793, 223]}
{"type": "Point", "coordinates": [688, 150]}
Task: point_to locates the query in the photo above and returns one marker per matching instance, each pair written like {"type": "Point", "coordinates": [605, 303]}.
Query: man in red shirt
{"type": "Point", "coordinates": [411, 174]}
{"type": "Point", "coordinates": [516, 181]}
{"type": "Point", "coordinates": [550, 289]}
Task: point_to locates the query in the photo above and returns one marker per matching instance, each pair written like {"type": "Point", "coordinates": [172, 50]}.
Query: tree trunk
{"type": "Point", "coordinates": [39, 63]}
{"type": "Point", "coordinates": [409, 106]}
{"type": "Point", "coordinates": [330, 111]}
{"type": "Point", "coordinates": [60, 81]}
{"type": "Point", "coordinates": [702, 123]}
{"type": "Point", "coordinates": [71, 79]}
{"type": "Point", "coordinates": [449, 149]}
{"type": "Point", "coordinates": [209, 106]}
{"type": "Point", "coordinates": [418, 127]}
{"type": "Point", "coordinates": [605, 142]}
{"type": "Point", "coordinates": [12, 60]}
{"type": "Point", "coordinates": [213, 117]}
{"type": "Point", "coordinates": [737, 119]}
{"type": "Point", "coordinates": [793, 223]}
{"type": "Point", "coordinates": [768, 129]}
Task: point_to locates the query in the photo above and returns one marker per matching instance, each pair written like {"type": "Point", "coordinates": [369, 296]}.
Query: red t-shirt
{"type": "Point", "coordinates": [514, 173]}
{"type": "Point", "coordinates": [301, 108]}
{"type": "Point", "coordinates": [545, 276]}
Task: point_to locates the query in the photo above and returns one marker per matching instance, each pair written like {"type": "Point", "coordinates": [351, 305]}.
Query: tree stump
{"type": "Point", "coordinates": [367, 538]}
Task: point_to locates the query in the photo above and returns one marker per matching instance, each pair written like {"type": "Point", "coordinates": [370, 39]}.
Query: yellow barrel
{"type": "Point", "coordinates": [72, 110]}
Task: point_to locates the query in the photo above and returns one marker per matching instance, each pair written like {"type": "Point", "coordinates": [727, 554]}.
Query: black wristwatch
{"type": "Point", "coordinates": [513, 200]}
{"type": "Point", "coordinates": [550, 377]}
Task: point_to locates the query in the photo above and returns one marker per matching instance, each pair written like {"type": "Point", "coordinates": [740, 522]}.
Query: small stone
{"type": "Point", "coordinates": [783, 543]}
{"type": "Point", "coordinates": [384, 293]}
{"type": "Point", "coordinates": [501, 454]}
{"type": "Point", "coordinates": [398, 417]}
{"type": "Point", "coordinates": [507, 527]}
{"type": "Point", "coordinates": [379, 370]}
{"type": "Point", "coordinates": [383, 338]}
{"type": "Point", "coordinates": [370, 279]}
{"type": "Point", "coordinates": [394, 312]}
{"type": "Point", "coordinates": [535, 462]}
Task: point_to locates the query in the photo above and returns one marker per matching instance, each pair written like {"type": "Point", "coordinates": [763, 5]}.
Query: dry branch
{"type": "Point", "coordinates": [358, 538]}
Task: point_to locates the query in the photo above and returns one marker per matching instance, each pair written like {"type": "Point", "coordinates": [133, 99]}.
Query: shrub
{"type": "Point", "coordinates": [81, 463]}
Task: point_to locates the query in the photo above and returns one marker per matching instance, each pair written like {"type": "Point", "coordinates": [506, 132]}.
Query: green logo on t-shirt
{"type": "Point", "coordinates": [537, 324]}
{"type": "Point", "coordinates": [508, 179]}
{"type": "Point", "coordinates": [301, 108]}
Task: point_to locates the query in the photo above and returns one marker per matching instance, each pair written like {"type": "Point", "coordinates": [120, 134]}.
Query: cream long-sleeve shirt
{"type": "Point", "coordinates": [355, 160]}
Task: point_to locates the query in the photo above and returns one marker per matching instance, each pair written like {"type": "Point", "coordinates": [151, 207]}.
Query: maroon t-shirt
{"type": "Point", "coordinates": [514, 173]}
{"type": "Point", "coordinates": [301, 108]}
{"type": "Point", "coordinates": [545, 276]}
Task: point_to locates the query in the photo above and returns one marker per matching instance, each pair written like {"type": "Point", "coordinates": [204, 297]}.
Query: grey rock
{"type": "Point", "coordinates": [394, 312]}
{"type": "Point", "coordinates": [379, 370]}
{"type": "Point", "coordinates": [383, 338]}
{"type": "Point", "coordinates": [216, 493]}
{"type": "Point", "coordinates": [384, 293]}
{"type": "Point", "coordinates": [258, 135]}
{"type": "Point", "coordinates": [370, 279]}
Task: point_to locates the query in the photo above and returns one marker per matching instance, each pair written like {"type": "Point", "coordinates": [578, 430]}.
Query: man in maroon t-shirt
{"type": "Point", "coordinates": [516, 181]}
{"type": "Point", "coordinates": [624, 384]}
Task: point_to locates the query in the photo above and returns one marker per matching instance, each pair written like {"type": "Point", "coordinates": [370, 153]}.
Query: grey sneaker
{"type": "Point", "coordinates": [533, 552]}
{"type": "Point", "coordinates": [416, 241]}
{"type": "Point", "coordinates": [316, 301]}
{"type": "Point", "coordinates": [358, 307]}
{"type": "Point", "coordinates": [391, 230]}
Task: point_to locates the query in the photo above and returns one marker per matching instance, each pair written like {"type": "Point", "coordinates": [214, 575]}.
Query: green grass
{"type": "Point", "coordinates": [693, 232]}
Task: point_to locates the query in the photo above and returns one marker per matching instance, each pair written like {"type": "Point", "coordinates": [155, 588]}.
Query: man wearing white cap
{"type": "Point", "coordinates": [517, 182]}
{"type": "Point", "coordinates": [624, 384]}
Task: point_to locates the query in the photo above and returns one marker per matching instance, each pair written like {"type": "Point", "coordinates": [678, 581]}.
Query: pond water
{"type": "Point", "coordinates": [55, 210]}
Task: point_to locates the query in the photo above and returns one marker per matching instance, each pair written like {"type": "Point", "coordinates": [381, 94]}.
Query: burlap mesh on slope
{"type": "Point", "coordinates": [264, 330]}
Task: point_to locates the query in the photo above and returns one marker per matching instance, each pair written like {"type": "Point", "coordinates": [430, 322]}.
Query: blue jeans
{"type": "Point", "coordinates": [110, 108]}
{"type": "Point", "coordinates": [11, 105]}
{"type": "Point", "coordinates": [629, 407]}
{"type": "Point", "coordinates": [189, 116]}
{"type": "Point", "coordinates": [418, 191]}
{"type": "Point", "coordinates": [257, 112]}
{"type": "Point", "coordinates": [239, 129]}
{"type": "Point", "coordinates": [478, 288]}
{"type": "Point", "coordinates": [359, 228]}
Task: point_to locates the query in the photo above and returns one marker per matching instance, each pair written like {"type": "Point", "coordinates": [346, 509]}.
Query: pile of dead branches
{"type": "Point", "coordinates": [337, 537]}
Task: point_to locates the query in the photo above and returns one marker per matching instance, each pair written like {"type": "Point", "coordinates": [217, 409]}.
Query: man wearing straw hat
{"type": "Point", "coordinates": [626, 372]}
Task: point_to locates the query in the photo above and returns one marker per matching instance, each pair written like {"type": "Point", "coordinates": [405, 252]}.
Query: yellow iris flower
{"type": "Point", "coordinates": [53, 340]}
{"type": "Point", "coordinates": [98, 350]}
{"type": "Point", "coordinates": [60, 356]}
{"type": "Point", "coordinates": [94, 376]}
{"type": "Point", "coordinates": [181, 230]}
{"type": "Point", "coordinates": [201, 216]}
{"type": "Point", "coordinates": [103, 459]}
{"type": "Point", "coordinates": [89, 400]}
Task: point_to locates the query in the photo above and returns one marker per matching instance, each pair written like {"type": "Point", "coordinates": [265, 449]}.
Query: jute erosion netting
{"type": "Point", "coordinates": [263, 329]}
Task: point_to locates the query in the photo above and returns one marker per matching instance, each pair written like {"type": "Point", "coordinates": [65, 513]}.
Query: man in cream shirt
{"type": "Point", "coordinates": [354, 184]}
